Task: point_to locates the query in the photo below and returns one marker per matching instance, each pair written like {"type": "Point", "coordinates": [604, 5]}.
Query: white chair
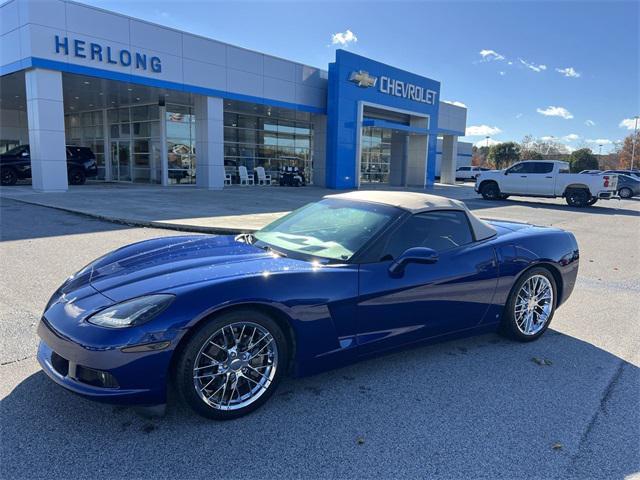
{"type": "Point", "coordinates": [227, 179]}
{"type": "Point", "coordinates": [263, 178]}
{"type": "Point", "coordinates": [245, 178]}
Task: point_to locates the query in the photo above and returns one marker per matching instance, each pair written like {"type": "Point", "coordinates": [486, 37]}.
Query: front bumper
{"type": "Point", "coordinates": [104, 374]}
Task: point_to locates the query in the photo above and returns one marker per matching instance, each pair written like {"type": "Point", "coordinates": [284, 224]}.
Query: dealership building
{"type": "Point", "coordinates": [161, 106]}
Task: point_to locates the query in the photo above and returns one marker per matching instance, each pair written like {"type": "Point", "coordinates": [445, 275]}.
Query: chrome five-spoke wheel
{"type": "Point", "coordinates": [534, 304]}
{"type": "Point", "coordinates": [235, 366]}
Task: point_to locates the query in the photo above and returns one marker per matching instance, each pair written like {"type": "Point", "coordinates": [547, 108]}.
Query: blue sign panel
{"type": "Point", "coordinates": [354, 79]}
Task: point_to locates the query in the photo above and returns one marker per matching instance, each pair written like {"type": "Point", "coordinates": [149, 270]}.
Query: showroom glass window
{"type": "Point", "coordinates": [86, 129]}
{"type": "Point", "coordinates": [376, 155]}
{"type": "Point", "coordinates": [269, 137]}
{"type": "Point", "coordinates": [181, 143]}
{"type": "Point", "coordinates": [134, 144]}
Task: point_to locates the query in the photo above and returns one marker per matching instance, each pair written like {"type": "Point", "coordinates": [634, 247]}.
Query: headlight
{"type": "Point", "coordinates": [132, 312]}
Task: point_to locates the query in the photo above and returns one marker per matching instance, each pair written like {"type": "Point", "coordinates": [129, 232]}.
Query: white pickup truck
{"type": "Point", "coordinates": [546, 178]}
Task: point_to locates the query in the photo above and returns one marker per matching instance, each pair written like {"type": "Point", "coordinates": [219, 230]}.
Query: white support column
{"type": "Point", "coordinates": [164, 153]}
{"type": "Point", "coordinates": [45, 113]}
{"type": "Point", "coordinates": [209, 142]}
{"type": "Point", "coordinates": [449, 159]}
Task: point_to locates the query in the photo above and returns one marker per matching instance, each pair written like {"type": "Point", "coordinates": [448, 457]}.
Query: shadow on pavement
{"type": "Point", "coordinates": [479, 407]}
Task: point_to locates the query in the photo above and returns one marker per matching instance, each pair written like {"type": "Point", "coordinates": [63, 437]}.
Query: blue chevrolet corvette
{"type": "Point", "coordinates": [223, 319]}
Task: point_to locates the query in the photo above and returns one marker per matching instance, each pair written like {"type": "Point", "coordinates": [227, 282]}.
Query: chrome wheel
{"type": "Point", "coordinates": [235, 366]}
{"type": "Point", "coordinates": [534, 304]}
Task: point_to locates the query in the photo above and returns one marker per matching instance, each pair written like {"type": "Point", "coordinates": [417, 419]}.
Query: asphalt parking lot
{"type": "Point", "coordinates": [567, 406]}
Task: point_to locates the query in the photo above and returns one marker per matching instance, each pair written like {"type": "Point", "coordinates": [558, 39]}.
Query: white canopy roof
{"type": "Point", "coordinates": [416, 202]}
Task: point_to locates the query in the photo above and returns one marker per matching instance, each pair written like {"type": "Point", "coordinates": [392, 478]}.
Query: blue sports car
{"type": "Point", "coordinates": [224, 319]}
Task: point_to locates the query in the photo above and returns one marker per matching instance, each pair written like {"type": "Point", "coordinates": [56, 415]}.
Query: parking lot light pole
{"type": "Point", "coordinates": [635, 135]}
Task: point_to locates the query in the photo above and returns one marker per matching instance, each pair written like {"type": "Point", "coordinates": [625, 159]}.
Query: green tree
{"type": "Point", "coordinates": [583, 159]}
{"type": "Point", "coordinates": [504, 154]}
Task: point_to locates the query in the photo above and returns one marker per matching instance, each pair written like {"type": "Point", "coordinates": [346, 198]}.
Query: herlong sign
{"type": "Point", "coordinates": [99, 53]}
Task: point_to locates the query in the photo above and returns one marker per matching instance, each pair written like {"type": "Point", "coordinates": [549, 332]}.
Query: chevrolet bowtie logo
{"type": "Point", "coordinates": [363, 79]}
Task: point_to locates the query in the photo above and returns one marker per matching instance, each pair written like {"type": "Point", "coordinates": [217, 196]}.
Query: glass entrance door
{"type": "Point", "coordinates": [375, 159]}
{"type": "Point", "coordinates": [121, 160]}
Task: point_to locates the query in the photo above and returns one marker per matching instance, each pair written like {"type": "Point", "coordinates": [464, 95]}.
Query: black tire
{"type": "Point", "coordinates": [185, 364]}
{"type": "Point", "coordinates": [77, 177]}
{"type": "Point", "coordinates": [8, 177]}
{"type": "Point", "coordinates": [625, 192]}
{"type": "Point", "coordinates": [577, 197]}
{"type": "Point", "coordinates": [509, 326]}
{"type": "Point", "coordinates": [490, 191]}
{"type": "Point", "coordinates": [592, 201]}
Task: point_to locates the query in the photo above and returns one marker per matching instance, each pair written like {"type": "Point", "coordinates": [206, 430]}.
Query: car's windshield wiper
{"type": "Point", "coordinates": [270, 249]}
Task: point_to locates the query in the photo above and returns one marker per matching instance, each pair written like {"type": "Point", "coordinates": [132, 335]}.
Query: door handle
{"type": "Point", "coordinates": [548, 177]}
{"type": "Point", "coordinates": [523, 176]}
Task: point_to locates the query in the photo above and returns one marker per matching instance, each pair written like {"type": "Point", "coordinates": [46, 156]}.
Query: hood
{"type": "Point", "coordinates": [168, 263]}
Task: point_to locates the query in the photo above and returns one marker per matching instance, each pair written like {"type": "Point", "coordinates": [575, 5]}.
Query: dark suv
{"type": "Point", "coordinates": [16, 165]}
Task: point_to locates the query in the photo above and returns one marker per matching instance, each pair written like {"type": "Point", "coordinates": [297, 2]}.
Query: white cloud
{"type": "Point", "coordinates": [454, 102]}
{"type": "Point", "coordinates": [489, 55]}
{"type": "Point", "coordinates": [552, 111]}
{"type": "Point", "coordinates": [629, 123]}
{"type": "Point", "coordinates": [482, 130]}
{"type": "Point", "coordinates": [519, 115]}
{"type": "Point", "coordinates": [502, 73]}
{"type": "Point", "coordinates": [600, 141]}
{"type": "Point", "coordinates": [589, 123]}
{"type": "Point", "coordinates": [483, 142]}
{"type": "Point", "coordinates": [533, 66]}
{"type": "Point", "coordinates": [343, 38]}
{"type": "Point", "coordinates": [572, 137]}
{"type": "Point", "coordinates": [568, 72]}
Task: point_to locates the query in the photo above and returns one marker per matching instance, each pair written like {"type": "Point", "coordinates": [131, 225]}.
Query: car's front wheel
{"type": "Point", "coordinates": [232, 365]}
{"type": "Point", "coordinates": [490, 191]}
{"type": "Point", "coordinates": [8, 177]}
{"type": "Point", "coordinates": [530, 306]}
{"type": "Point", "coordinates": [77, 177]}
{"type": "Point", "coordinates": [625, 192]}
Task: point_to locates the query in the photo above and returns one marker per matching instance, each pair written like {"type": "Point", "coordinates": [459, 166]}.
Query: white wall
{"type": "Point", "coordinates": [451, 117]}
{"type": "Point", "coordinates": [28, 29]}
{"type": "Point", "coordinates": [463, 159]}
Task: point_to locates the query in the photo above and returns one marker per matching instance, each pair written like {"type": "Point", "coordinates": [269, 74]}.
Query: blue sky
{"type": "Point", "coordinates": [501, 59]}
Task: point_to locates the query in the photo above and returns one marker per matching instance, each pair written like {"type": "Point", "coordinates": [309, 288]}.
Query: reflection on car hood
{"type": "Point", "coordinates": [171, 262]}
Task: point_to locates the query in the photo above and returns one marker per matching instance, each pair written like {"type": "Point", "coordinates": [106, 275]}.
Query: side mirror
{"type": "Point", "coordinates": [506, 172]}
{"type": "Point", "coordinates": [412, 255]}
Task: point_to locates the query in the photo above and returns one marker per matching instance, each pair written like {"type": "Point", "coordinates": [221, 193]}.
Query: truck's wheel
{"type": "Point", "coordinates": [577, 197]}
{"type": "Point", "coordinates": [77, 177]}
{"type": "Point", "coordinates": [490, 191]}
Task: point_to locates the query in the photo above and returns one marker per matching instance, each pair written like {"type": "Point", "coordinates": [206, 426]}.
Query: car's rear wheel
{"type": "Point", "coordinates": [77, 177]}
{"type": "Point", "coordinates": [625, 192]}
{"type": "Point", "coordinates": [232, 365]}
{"type": "Point", "coordinates": [490, 191]}
{"type": "Point", "coordinates": [577, 197]}
{"type": "Point", "coordinates": [592, 201]}
{"type": "Point", "coordinates": [8, 177]}
{"type": "Point", "coordinates": [531, 305]}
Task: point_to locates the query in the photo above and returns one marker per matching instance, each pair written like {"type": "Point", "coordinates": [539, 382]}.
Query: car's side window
{"type": "Point", "coordinates": [440, 230]}
{"type": "Point", "coordinates": [518, 168]}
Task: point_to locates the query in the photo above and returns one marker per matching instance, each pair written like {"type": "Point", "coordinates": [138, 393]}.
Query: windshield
{"type": "Point", "coordinates": [333, 229]}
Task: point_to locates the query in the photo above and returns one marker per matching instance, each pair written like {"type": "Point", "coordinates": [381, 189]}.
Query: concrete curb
{"type": "Point", "coordinates": [141, 223]}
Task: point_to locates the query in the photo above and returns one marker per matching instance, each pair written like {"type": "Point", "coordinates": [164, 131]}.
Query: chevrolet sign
{"type": "Point", "coordinates": [397, 88]}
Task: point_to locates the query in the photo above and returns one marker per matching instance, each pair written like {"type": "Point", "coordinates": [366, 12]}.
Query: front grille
{"type": "Point", "coordinates": [61, 365]}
